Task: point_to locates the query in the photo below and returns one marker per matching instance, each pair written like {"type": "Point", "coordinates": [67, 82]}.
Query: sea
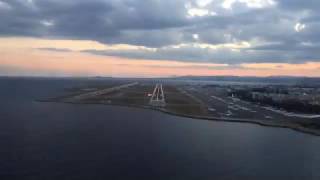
{"type": "Point", "coordinates": [59, 141]}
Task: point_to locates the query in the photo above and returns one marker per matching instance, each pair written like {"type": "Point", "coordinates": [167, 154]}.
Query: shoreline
{"type": "Point", "coordinates": [292, 126]}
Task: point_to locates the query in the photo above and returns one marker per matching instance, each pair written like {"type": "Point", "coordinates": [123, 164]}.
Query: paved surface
{"type": "Point", "coordinates": [221, 105]}
{"type": "Point", "coordinates": [157, 98]}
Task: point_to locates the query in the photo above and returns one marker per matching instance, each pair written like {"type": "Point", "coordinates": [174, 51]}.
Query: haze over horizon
{"type": "Point", "coordinates": [159, 38]}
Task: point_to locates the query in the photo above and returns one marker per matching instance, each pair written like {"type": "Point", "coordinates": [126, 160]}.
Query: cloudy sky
{"type": "Point", "coordinates": [147, 38]}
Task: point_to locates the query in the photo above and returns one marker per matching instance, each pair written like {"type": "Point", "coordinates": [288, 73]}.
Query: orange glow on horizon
{"type": "Point", "coordinates": [20, 57]}
{"type": "Point", "coordinates": [38, 63]}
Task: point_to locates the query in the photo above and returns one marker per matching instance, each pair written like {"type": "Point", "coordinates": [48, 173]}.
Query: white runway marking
{"type": "Point", "coordinates": [157, 98]}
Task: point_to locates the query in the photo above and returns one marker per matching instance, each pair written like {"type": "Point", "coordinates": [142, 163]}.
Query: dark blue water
{"type": "Point", "coordinates": [64, 141]}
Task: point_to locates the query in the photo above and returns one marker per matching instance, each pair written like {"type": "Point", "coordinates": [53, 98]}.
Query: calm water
{"type": "Point", "coordinates": [65, 141]}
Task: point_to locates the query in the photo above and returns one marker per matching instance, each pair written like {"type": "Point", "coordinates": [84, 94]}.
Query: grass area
{"type": "Point", "coordinates": [182, 103]}
{"type": "Point", "coordinates": [177, 101]}
{"type": "Point", "coordinates": [135, 95]}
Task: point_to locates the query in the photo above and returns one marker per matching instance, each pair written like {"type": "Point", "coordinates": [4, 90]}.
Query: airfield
{"type": "Point", "coordinates": [188, 100]}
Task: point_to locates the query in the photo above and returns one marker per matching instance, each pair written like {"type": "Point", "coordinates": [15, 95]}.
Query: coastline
{"type": "Point", "coordinates": [292, 126]}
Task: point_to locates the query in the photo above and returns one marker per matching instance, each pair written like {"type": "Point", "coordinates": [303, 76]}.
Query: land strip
{"type": "Point", "coordinates": [195, 102]}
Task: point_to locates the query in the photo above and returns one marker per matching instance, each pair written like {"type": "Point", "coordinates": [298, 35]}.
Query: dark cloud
{"type": "Point", "coordinates": [298, 5]}
{"type": "Point", "coordinates": [196, 54]}
{"type": "Point", "coordinates": [271, 29]}
{"type": "Point", "coordinates": [55, 49]}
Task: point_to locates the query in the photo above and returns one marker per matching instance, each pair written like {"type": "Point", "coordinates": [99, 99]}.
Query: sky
{"type": "Point", "coordinates": [159, 38]}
